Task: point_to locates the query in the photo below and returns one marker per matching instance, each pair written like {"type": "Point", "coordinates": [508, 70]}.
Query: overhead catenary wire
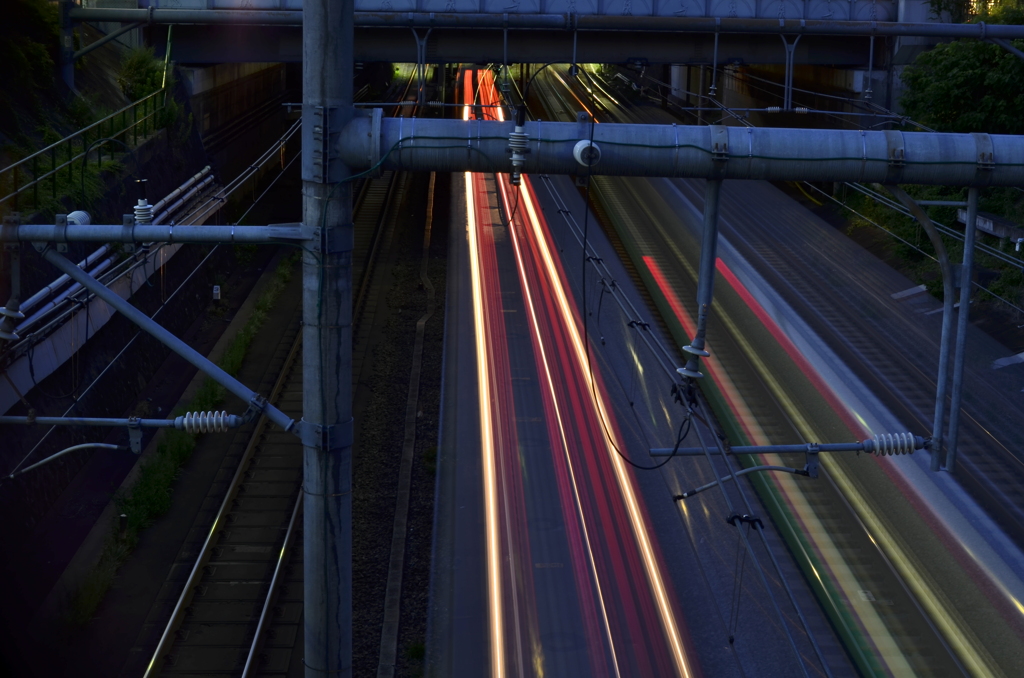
{"type": "Point", "coordinates": [943, 229]}
{"type": "Point", "coordinates": [690, 405]}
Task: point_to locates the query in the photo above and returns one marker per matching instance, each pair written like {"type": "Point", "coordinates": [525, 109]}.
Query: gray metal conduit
{"type": "Point", "coordinates": [161, 217]}
{"type": "Point", "coordinates": [150, 233]}
{"type": "Point", "coordinates": [159, 206]}
{"type": "Point", "coordinates": [53, 303]}
{"type": "Point", "coordinates": [99, 252]}
{"type": "Point", "coordinates": [62, 280]}
{"type": "Point", "coordinates": [711, 151]}
{"type": "Point", "coordinates": [583, 22]}
{"type": "Point", "coordinates": [172, 342]}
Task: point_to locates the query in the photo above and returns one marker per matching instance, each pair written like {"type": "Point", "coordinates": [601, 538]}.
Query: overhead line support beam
{"type": "Point", "coordinates": [774, 154]}
{"type": "Point", "coordinates": [165, 337]}
{"type": "Point", "coordinates": [565, 22]}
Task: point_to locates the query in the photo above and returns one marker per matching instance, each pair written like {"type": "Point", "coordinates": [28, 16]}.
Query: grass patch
{"type": "Point", "coordinates": [150, 496]}
{"type": "Point", "coordinates": [430, 459]}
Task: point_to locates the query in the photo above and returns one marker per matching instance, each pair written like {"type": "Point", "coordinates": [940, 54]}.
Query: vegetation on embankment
{"type": "Point", "coordinates": [150, 496]}
{"type": "Point", "coordinates": [958, 86]}
{"type": "Point", "coordinates": [37, 109]}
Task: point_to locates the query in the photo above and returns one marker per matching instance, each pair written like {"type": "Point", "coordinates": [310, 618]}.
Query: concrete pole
{"type": "Point", "coordinates": [327, 72]}
{"type": "Point", "coordinates": [961, 329]}
{"type": "Point", "coordinates": [705, 278]}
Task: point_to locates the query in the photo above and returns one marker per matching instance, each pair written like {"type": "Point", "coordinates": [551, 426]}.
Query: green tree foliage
{"type": "Point", "coordinates": [29, 38]}
{"type": "Point", "coordinates": [953, 11]}
{"type": "Point", "coordinates": [140, 74]}
{"type": "Point", "coordinates": [970, 85]}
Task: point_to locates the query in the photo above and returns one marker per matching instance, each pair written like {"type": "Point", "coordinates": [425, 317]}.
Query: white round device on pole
{"type": "Point", "coordinates": [587, 153]}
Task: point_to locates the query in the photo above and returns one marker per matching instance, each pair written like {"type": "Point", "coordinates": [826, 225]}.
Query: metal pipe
{"type": "Point", "coordinates": [62, 280]}
{"type": "Point", "coordinates": [150, 233]}
{"type": "Point", "coordinates": [11, 313]}
{"type": "Point", "coordinates": [158, 207]}
{"type": "Point", "coordinates": [183, 422]}
{"type": "Point", "coordinates": [948, 294]}
{"type": "Point", "coordinates": [165, 337]}
{"type": "Point", "coordinates": [180, 202]}
{"type": "Point", "coordinates": [53, 303]}
{"type": "Point", "coordinates": [899, 443]}
{"type": "Point", "coordinates": [705, 279]}
{"type": "Point", "coordinates": [107, 38]}
{"type": "Point", "coordinates": [1008, 47]}
{"type": "Point", "coordinates": [961, 329]}
{"type": "Point", "coordinates": [775, 154]}
{"type": "Point", "coordinates": [73, 448]}
{"type": "Point", "coordinates": [327, 38]}
{"type": "Point", "coordinates": [734, 476]}
{"type": "Point", "coordinates": [583, 22]}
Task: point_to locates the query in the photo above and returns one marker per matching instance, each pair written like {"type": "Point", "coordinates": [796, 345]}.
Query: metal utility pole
{"type": "Point", "coordinates": [706, 279]}
{"type": "Point", "coordinates": [966, 271]}
{"type": "Point", "coordinates": [327, 72]}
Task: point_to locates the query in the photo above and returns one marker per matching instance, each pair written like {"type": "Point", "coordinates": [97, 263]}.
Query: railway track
{"type": "Point", "coordinates": [240, 610]}
{"type": "Point", "coordinates": [241, 606]}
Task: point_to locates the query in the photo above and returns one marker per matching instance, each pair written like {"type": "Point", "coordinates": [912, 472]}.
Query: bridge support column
{"type": "Point", "coordinates": [327, 72]}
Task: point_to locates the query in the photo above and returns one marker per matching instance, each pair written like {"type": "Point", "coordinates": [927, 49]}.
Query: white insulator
{"type": "Point", "coordinates": [143, 212]}
{"type": "Point", "coordinates": [773, 109]}
{"type": "Point", "coordinates": [205, 422]}
{"type": "Point", "coordinates": [800, 109]}
{"type": "Point", "coordinates": [79, 218]}
{"type": "Point", "coordinates": [518, 145]}
{"type": "Point", "coordinates": [893, 443]}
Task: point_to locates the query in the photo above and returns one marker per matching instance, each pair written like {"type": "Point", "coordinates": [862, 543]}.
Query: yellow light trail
{"type": "Point", "coordinates": [486, 440]}
{"type": "Point", "coordinates": [656, 581]}
{"type": "Point", "coordinates": [535, 326]}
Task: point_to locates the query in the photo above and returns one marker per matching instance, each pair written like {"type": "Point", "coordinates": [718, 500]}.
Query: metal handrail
{"type": "Point", "coordinates": [29, 164]}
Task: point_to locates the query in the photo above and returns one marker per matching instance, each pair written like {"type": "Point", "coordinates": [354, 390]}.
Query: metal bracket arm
{"type": "Point", "coordinates": [325, 438]}
{"type": "Point", "coordinates": [62, 233]}
{"type": "Point", "coordinates": [882, 444]}
{"type": "Point", "coordinates": [165, 337]}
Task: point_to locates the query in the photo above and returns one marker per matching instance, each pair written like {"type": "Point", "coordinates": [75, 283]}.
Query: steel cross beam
{"type": "Point", "coordinates": [708, 151]}
{"type": "Point", "coordinates": [565, 22]}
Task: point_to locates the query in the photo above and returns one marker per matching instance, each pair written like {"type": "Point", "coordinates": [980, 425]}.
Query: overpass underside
{"type": "Point", "coordinates": [248, 43]}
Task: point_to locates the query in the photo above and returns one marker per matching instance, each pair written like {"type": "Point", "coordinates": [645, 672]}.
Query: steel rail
{"type": "Point", "coordinates": [257, 639]}
{"type": "Point", "coordinates": [166, 638]}
{"type": "Point", "coordinates": [565, 22]}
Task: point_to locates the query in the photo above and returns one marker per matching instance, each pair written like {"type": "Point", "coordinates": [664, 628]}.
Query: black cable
{"type": "Point", "coordinates": [586, 335]}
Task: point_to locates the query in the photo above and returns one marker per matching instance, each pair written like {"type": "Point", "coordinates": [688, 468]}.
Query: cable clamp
{"type": "Point", "coordinates": [811, 466]}
{"type": "Point", "coordinates": [719, 142]}
{"type": "Point", "coordinates": [745, 518]}
{"type": "Point", "coordinates": [135, 435]}
{"type": "Point", "coordinates": [128, 233]}
{"type": "Point", "coordinates": [60, 235]}
{"type": "Point", "coordinates": [986, 154]}
{"type": "Point", "coordinates": [326, 438]}
{"type": "Point", "coordinates": [256, 406]}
